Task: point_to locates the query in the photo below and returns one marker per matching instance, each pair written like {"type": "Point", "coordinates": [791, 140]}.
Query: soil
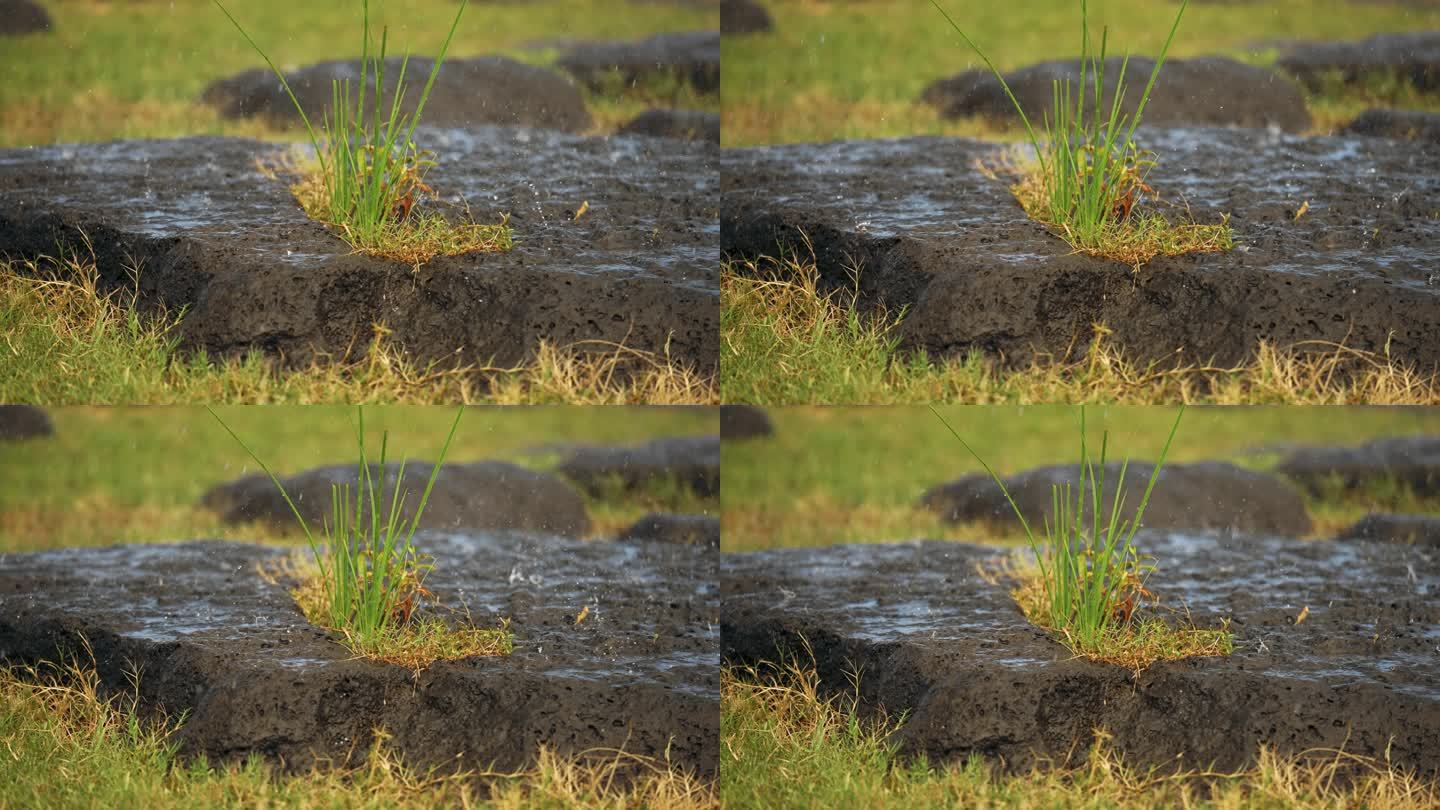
{"type": "Point", "coordinates": [934, 641]}
{"type": "Point", "coordinates": [662, 527]}
{"type": "Point", "coordinates": [692, 57]}
{"type": "Point", "coordinates": [1412, 55]}
{"type": "Point", "coordinates": [1207, 91]}
{"type": "Point", "coordinates": [936, 239]}
{"type": "Point", "coordinates": [20, 17]}
{"type": "Point", "coordinates": [744, 422]}
{"type": "Point", "coordinates": [1203, 495]}
{"type": "Point", "coordinates": [1409, 125]}
{"type": "Point", "coordinates": [688, 125]}
{"type": "Point", "coordinates": [467, 92]}
{"type": "Point", "coordinates": [230, 246]}
{"type": "Point", "coordinates": [479, 495]}
{"type": "Point", "coordinates": [1412, 461]}
{"type": "Point", "coordinates": [213, 639]}
{"type": "Point", "coordinates": [1423, 530]}
{"type": "Point", "coordinates": [689, 462]}
{"type": "Point", "coordinates": [19, 422]}
{"type": "Point", "coordinates": [744, 17]}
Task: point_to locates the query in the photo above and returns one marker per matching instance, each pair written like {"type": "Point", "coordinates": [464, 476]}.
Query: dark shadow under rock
{"type": "Point", "coordinates": [936, 239]}
{"type": "Point", "coordinates": [492, 495]}
{"type": "Point", "coordinates": [933, 640]}
{"type": "Point", "coordinates": [685, 125]}
{"type": "Point", "coordinates": [20, 17]}
{"type": "Point", "coordinates": [1207, 91]}
{"type": "Point", "coordinates": [1421, 530]}
{"type": "Point", "coordinates": [1413, 55]}
{"type": "Point", "coordinates": [467, 92]}
{"type": "Point", "coordinates": [1203, 495]}
{"type": "Point", "coordinates": [685, 530]}
{"type": "Point", "coordinates": [18, 422]}
{"type": "Point", "coordinates": [1411, 461]}
{"type": "Point", "coordinates": [692, 57]}
{"type": "Point", "coordinates": [217, 238]}
{"type": "Point", "coordinates": [213, 639]}
{"type": "Point", "coordinates": [744, 17]}
{"type": "Point", "coordinates": [1407, 125]}
{"type": "Point", "coordinates": [689, 462]}
{"type": "Point", "coordinates": [744, 422]}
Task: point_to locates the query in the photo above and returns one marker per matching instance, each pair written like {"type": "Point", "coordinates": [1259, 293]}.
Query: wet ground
{"type": "Point", "coordinates": [639, 671]}
{"type": "Point", "coordinates": [934, 640]}
{"type": "Point", "coordinates": [214, 235]}
{"type": "Point", "coordinates": [936, 237]}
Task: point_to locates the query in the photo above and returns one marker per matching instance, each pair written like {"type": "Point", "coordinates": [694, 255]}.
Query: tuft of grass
{"type": "Point", "coordinates": [786, 339]}
{"type": "Point", "coordinates": [1091, 173]}
{"type": "Point", "coordinates": [371, 173]}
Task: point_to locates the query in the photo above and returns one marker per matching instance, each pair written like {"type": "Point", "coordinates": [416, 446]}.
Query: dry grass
{"type": "Point", "coordinates": [785, 742]}
{"type": "Point", "coordinates": [786, 339]}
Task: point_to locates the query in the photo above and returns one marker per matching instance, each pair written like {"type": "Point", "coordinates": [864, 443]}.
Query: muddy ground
{"type": "Point", "coordinates": [217, 237]}
{"type": "Point", "coordinates": [217, 641]}
{"type": "Point", "coordinates": [935, 641]}
{"type": "Point", "coordinates": [935, 237]}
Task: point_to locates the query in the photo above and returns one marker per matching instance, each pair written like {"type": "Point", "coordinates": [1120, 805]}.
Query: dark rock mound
{"type": "Point", "coordinates": [482, 495]}
{"type": "Point", "coordinates": [20, 17]}
{"type": "Point", "coordinates": [691, 462]}
{"type": "Point", "coordinates": [229, 246]}
{"type": "Point", "coordinates": [686, 125]}
{"type": "Point", "coordinates": [744, 17]}
{"type": "Point", "coordinates": [936, 642]}
{"type": "Point", "coordinates": [467, 92]}
{"type": "Point", "coordinates": [744, 422]}
{"type": "Point", "coordinates": [1204, 495]}
{"type": "Point", "coordinates": [216, 641]}
{"type": "Point", "coordinates": [684, 530]}
{"type": "Point", "coordinates": [1205, 91]}
{"type": "Point", "coordinates": [1412, 461]}
{"type": "Point", "coordinates": [692, 57]}
{"type": "Point", "coordinates": [1422, 530]}
{"type": "Point", "coordinates": [1413, 55]}
{"type": "Point", "coordinates": [1407, 125]}
{"type": "Point", "coordinates": [952, 250]}
{"type": "Point", "coordinates": [19, 422]}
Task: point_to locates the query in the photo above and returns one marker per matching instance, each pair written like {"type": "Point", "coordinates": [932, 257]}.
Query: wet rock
{"type": "Point", "coordinates": [229, 246]}
{"type": "Point", "coordinates": [1411, 461]}
{"type": "Point", "coordinates": [1423, 530]}
{"type": "Point", "coordinates": [1204, 495]}
{"type": "Point", "coordinates": [744, 17]}
{"type": "Point", "coordinates": [19, 422]}
{"type": "Point", "coordinates": [685, 530]}
{"type": "Point", "coordinates": [476, 496]}
{"type": "Point", "coordinates": [1409, 125]}
{"type": "Point", "coordinates": [1413, 55]}
{"type": "Point", "coordinates": [216, 641]}
{"type": "Point", "coordinates": [20, 17]}
{"type": "Point", "coordinates": [936, 642]}
{"type": "Point", "coordinates": [1204, 91]}
{"type": "Point", "coordinates": [467, 92]}
{"type": "Point", "coordinates": [691, 462]}
{"type": "Point", "coordinates": [744, 422]}
{"type": "Point", "coordinates": [953, 250]}
{"type": "Point", "coordinates": [692, 57]}
{"type": "Point", "coordinates": [687, 125]}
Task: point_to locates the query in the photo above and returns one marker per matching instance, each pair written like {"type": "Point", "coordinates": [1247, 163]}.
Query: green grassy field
{"type": "Point", "coordinates": [835, 475]}
{"type": "Point", "coordinates": [841, 70]}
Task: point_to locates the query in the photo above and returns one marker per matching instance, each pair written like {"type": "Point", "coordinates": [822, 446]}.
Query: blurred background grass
{"type": "Point", "coordinates": [843, 69]}
{"type": "Point", "coordinates": [113, 69]}
{"type": "Point", "coordinates": [838, 475]}
{"type": "Point", "coordinates": [113, 475]}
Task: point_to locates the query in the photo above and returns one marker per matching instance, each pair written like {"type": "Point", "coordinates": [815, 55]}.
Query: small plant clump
{"type": "Point", "coordinates": [370, 177]}
{"type": "Point", "coordinates": [1091, 580]}
{"type": "Point", "coordinates": [370, 581]}
{"type": "Point", "coordinates": [1089, 181]}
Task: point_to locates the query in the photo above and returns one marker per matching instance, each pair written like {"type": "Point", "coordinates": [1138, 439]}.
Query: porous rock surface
{"type": "Point", "coordinates": [1413, 461]}
{"type": "Point", "coordinates": [214, 639]}
{"type": "Point", "coordinates": [936, 641]}
{"type": "Point", "coordinates": [744, 422]}
{"type": "Point", "coordinates": [467, 92]}
{"type": "Point", "coordinates": [1207, 91]}
{"type": "Point", "coordinates": [478, 495]}
{"type": "Point", "coordinates": [20, 17]}
{"type": "Point", "coordinates": [1409, 125]}
{"type": "Point", "coordinates": [18, 422]}
{"type": "Point", "coordinates": [1377, 527]}
{"type": "Point", "coordinates": [744, 17]}
{"type": "Point", "coordinates": [692, 57]}
{"type": "Point", "coordinates": [230, 246]}
{"type": "Point", "coordinates": [664, 527]}
{"type": "Point", "coordinates": [1202, 495]}
{"type": "Point", "coordinates": [1412, 55]}
{"type": "Point", "coordinates": [687, 125]}
{"type": "Point", "coordinates": [936, 239]}
{"type": "Point", "coordinates": [692, 462]}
